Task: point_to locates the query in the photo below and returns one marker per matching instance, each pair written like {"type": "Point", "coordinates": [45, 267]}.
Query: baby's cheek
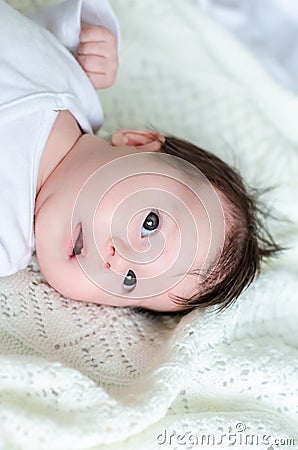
{"type": "Point", "coordinates": [54, 274]}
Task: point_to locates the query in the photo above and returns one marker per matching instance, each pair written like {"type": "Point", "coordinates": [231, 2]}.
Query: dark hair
{"type": "Point", "coordinates": [247, 240]}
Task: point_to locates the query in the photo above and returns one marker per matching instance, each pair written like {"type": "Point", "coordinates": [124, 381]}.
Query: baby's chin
{"type": "Point", "coordinates": [69, 281]}
{"type": "Point", "coordinates": [82, 289]}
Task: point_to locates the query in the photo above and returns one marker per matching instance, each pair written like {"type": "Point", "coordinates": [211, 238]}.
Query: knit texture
{"type": "Point", "coordinates": [81, 376]}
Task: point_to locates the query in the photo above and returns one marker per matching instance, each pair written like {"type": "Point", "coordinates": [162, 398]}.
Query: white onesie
{"type": "Point", "coordinates": [38, 78]}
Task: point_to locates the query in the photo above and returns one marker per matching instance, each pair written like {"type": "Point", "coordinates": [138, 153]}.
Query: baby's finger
{"type": "Point", "coordinates": [103, 49]}
{"type": "Point", "coordinates": [93, 48]}
{"type": "Point", "coordinates": [92, 63]}
{"type": "Point", "coordinates": [101, 81]}
{"type": "Point", "coordinates": [96, 34]}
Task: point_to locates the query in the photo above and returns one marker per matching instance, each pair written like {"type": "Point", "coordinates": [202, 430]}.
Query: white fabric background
{"type": "Point", "coordinates": [268, 27]}
{"type": "Point", "coordinates": [79, 376]}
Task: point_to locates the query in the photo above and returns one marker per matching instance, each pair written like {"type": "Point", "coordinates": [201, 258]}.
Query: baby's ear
{"type": "Point", "coordinates": [147, 141]}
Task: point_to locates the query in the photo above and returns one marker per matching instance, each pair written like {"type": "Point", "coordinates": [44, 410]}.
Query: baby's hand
{"type": "Point", "coordinates": [97, 54]}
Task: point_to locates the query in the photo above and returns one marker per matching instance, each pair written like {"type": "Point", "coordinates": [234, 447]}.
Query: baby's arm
{"type": "Point", "coordinates": [68, 22]}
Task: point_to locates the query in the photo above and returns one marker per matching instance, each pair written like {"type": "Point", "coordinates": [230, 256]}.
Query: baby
{"type": "Point", "coordinates": [142, 220]}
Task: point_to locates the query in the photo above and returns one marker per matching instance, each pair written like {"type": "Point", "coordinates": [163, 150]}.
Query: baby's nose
{"type": "Point", "coordinates": [114, 258]}
{"type": "Point", "coordinates": [111, 252]}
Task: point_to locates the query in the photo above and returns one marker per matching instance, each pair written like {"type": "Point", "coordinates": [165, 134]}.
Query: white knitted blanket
{"type": "Point", "coordinates": [82, 376]}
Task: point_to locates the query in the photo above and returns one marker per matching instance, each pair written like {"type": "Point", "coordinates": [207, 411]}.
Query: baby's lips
{"type": "Point", "coordinates": [69, 248]}
{"type": "Point", "coordinates": [73, 238]}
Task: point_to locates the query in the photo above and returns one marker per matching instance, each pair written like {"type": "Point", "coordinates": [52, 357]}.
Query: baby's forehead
{"type": "Point", "coordinates": [160, 169]}
{"type": "Point", "coordinates": [158, 175]}
{"type": "Point", "coordinates": [158, 180]}
{"type": "Point", "coordinates": [189, 184]}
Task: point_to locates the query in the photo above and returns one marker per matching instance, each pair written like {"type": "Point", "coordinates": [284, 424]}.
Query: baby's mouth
{"type": "Point", "coordinates": [79, 242]}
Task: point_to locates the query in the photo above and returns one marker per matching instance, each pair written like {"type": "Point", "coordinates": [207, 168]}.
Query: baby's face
{"type": "Point", "coordinates": [120, 225]}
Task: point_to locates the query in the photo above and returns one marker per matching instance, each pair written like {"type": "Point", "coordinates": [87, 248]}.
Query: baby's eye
{"type": "Point", "coordinates": [130, 281]}
{"type": "Point", "coordinates": [150, 224]}
{"type": "Point", "coordinates": [149, 227]}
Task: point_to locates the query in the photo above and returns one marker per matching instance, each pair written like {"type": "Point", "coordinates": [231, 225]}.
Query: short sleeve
{"type": "Point", "coordinates": [64, 19]}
